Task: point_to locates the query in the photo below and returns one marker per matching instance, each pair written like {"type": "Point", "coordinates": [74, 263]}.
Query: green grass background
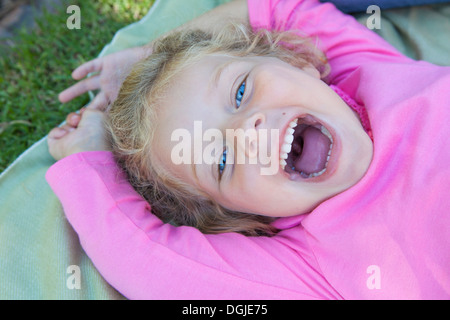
{"type": "Point", "coordinates": [38, 67]}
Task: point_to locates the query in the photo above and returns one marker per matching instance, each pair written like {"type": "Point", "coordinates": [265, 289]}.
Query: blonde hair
{"type": "Point", "coordinates": [133, 120]}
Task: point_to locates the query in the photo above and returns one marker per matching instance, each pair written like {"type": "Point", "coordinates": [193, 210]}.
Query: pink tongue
{"type": "Point", "coordinates": [315, 151]}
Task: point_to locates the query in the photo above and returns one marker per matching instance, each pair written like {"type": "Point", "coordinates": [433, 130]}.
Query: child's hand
{"type": "Point", "coordinates": [81, 132]}
{"type": "Point", "coordinates": [112, 70]}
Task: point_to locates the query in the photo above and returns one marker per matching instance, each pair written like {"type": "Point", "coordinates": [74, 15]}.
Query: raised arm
{"type": "Point", "coordinates": [217, 18]}
{"type": "Point", "coordinates": [112, 69]}
{"type": "Point", "coordinates": [145, 259]}
{"type": "Point", "coordinates": [346, 43]}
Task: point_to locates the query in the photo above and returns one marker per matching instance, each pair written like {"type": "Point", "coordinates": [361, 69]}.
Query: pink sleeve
{"type": "Point", "coordinates": [346, 43]}
{"type": "Point", "coordinates": [145, 259]}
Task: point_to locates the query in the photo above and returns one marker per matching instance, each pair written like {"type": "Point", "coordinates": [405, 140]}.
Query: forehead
{"type": "Point", "coordinates": [186, 100]}
{"type": "Point", "coordinates": [186, 95]}
{"type": "Point", "coordinates": [197, 73]}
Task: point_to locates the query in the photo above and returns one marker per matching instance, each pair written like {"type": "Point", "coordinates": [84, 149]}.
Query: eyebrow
{"type": "Point", "coordinates": [215, 79]}
{"type": "Point", "coordinates": [213, 175]}
{"type": "Point", "coordinates": [219, 71]}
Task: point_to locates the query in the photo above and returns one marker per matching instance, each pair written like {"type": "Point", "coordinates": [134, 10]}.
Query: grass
{"type": "Point", "coordinates": [38, 67]}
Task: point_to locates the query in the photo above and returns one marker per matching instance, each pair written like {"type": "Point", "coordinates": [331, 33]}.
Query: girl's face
{"type": "Point", "coordinates": [259, 135]}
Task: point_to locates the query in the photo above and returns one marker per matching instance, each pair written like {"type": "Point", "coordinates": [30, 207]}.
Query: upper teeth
{"type": "Point", "coordinates": [289, 138]}
{"type": "Point", "coordinates": [287, 143]}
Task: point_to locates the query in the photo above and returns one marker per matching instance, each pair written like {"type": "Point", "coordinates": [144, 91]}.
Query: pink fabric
{"type": "Point", "coordinates": [359, 109]}
{"type": "Point", "coordinates": [388, 237]}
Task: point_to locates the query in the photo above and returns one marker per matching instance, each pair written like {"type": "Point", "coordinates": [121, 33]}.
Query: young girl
{"type": "Point", "coordinates": [348, 217]}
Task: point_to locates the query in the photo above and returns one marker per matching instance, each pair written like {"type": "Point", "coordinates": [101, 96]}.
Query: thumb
{"type": "Point", "coordinates": [91, 116]}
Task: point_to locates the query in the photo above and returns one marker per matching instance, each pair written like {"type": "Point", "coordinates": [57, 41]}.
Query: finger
{"type": "Point", "coordinates": [86, 68]}
{"type": "Point", "coordinates": [73, 119]}
{"type": "Point", "coordinates": [90, 112]}
{"type": "Point", "coordinates": [80, 112]}
{"type": "Point", "coordinates": [91, 117]}
{"type": "Point", "coordinates": [100, 102]}
{"type": "Point", "coordinates": [67, 127]}
{"type": "Point", "coordinates": [91, 83]}
{"type": "Point", "coordinates": [57, 133]}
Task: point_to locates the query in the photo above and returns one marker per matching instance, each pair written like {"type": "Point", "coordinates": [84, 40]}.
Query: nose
{"type": "Point", "coordinates": [254, 121]}
{"type": "Point", "coordinates": [247, 136]}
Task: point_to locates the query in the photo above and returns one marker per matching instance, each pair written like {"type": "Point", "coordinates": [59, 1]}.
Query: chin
{"type": "Point", "coordinates": [356, 161]}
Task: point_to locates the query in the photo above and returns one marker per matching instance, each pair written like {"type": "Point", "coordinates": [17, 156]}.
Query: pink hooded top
{"type": "Point", "coordinates": [387, 237]}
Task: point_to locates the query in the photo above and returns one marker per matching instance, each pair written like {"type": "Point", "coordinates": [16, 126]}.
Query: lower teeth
{"type": "Point", "coordinates": [312, 175]}
{"type": "Point", "coordinates": [315, 174]}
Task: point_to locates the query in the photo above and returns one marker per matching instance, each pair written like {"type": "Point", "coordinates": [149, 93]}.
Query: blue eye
{"type": "Point", "coordinates": [222, 163]}
{"type": "Point", "coordinates": [240, 94]}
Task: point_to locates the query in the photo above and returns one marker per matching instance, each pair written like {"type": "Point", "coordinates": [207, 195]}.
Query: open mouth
{"type": "Point", "coordinates": [306, 148]}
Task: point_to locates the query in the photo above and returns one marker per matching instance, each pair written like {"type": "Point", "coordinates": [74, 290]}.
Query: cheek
{"type": "Point", "coordinates": [254, 186]}
{"type": "Point", "coordinates": [275, 85]}
{"type": "Point", "coordinates": [247, 183]}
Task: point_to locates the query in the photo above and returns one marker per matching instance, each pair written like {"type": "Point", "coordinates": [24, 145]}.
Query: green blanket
{"type": "Point", "coordinates": [40, 254]}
